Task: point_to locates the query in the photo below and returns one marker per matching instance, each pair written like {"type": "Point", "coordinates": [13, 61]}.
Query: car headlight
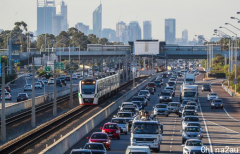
{"type": "Point", "coordinates": [170, 97]}
{"type": "Point", "coordinates": [184, 135]}
{"type": "Point", "coordinates": [161, 97]}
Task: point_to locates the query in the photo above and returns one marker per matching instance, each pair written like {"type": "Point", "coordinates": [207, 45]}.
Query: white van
{"type": "Point", "coordinates": [138, 149]}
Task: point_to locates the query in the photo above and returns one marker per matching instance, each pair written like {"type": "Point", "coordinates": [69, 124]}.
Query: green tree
{"type": "Point", "coordinates": [50, 41]}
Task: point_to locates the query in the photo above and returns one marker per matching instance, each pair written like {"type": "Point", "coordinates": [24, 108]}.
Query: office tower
{"type": "Point", "coordinates": [201, 39]}
{"type": "Point", "coordinates": [134, 31]}
{"type": "Point", "coordinates": [90, 31]}
{"type": "Point", "coordinates": [63, 11]}
{"type": "Point", "coordinates": [110, 34]}
{"type": "Point", "coordinates": [46, 11]}
{"type": "Point", "coordinates": [1, 30]}
{"type": "Point", "coordinates": [185, 36]}
{"type": "Point", "coordinates": [147, 30]}
{"type": "Point", "coordinates": [97, 21]}
{"type": "Point", "coordinates": [122, 32]}
{"type": "Point", "coordinates": [57, 24]}
{"type": "Point", "coordinates": [82, 28]}
{"type": "Point", "coordinates": [170, 30]}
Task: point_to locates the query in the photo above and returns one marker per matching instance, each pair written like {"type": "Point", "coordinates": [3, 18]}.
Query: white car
{"type": "Point", "coordinates": [28, 87]}
{"type": "Point", "coordinates": [45, 81]}
{"type": "Point", "coordinates": [38, 85]}
{"type": "Point", "coordinates": [7, 96]}
{"type": "Point", "coordinates": [74, 77]}
{"type": "Point", "coordinates": [51, 81]}
{"type": "Point", "coordinates": [212, 96]}
{"type": "Point", "coordinates": [193, 103]}
{"type": "Point", "coordinates": [194, 146]}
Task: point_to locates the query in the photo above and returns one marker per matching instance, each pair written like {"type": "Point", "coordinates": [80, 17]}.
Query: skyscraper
{"type": "Point", "coordinates": [62, 10]}
{"type": "Point", "coordinates": [110, 34]}
{"type": "Point", "coordinates": [147, 30]}
{"type": "Point", "coordinates": [83, 28]}
{"type": "Point", "coordinates": [170, 30]}
{"type": "Point", "coordinates": [122, 32]}
{"type": "Point", "coordinates": [46, 11]}
{"type": "Point", "coordinates": [134, 31]}
{"type": "Point", "coordinates": [97, 21]}
{"type": "Point", "coordinates": [185, 36]}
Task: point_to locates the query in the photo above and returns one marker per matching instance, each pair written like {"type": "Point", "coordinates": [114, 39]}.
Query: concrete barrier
{"type": "Point", "coordinates": [38, 100]}
{"type": "Point", "coordinates": [228, 90]}
{"type": "Point", "coordinates": [67, 141]}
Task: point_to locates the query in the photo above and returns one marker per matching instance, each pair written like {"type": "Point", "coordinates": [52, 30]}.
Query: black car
{"type": "Point", "coordinates": [217, 103]}
{"type": "Point", "coordinates": [165, 96]}
{"type": "Point", "coordinates": [206, 87]}
{"type": "Point", "coordinates": [22, 97]}
{"type": "Point", "coordinates": [164, 75]}
{"type": "Point", "coordinates": [179, 74]}
{"type": "Point", "coordinates": [150, 89]}
{"type": "Point", "coordinates": [67, 78]}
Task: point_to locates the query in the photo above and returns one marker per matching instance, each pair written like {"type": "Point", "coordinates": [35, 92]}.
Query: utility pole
{"type": "Point", "coordinates": [55, 92]}
{"type": "Point", "coordinates": [123, 72]}
{"type": "Point", "coordinates": [133, 70]}
{"type": "Point", "coordinates": [3, 116]}
{"type": "Point", "coordinates": [236, 65]}
{"type": "Point", "coordinates": [83, 69]}
{"type": "Point", "coordinates": [33, 122]}
{"type": "Point", "coordinates": [93, 66]}
{"type": "Point", "coordinates": [71, 92]}
{"type": "Point", "coordinates": [126, 68]}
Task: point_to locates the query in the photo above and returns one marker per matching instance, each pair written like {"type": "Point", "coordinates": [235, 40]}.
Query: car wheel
{"type": "Point", "coordinates": [211, 107]}
{"type": "Point", "coordinates": [183, 141]}
{"type": "Point", "coordinates": [118, 138]}
{"type": "Point", "coordinates": [166, 115]}
{"type": "Point", "coordinates": [156, 150]}
{"type": "Point", "coordinates": [179, 115]}
{"type": "Point", "coordinates": [202, 90]}
{"type": "Point", "coordinates": [222, 107]}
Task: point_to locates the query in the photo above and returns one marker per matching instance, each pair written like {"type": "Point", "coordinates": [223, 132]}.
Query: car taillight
{"type": "Point", "coordinates": [103, 131]}
{"type": "Point", "coordinates": [9, 96]}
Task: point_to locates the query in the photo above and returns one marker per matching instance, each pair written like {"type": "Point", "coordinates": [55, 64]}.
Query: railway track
{"type": "Point", "coordinates": [27, 140]}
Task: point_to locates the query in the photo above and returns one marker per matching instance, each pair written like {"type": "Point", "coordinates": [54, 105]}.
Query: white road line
{"type": "Point", "coordinates": [209, 140]}
{"type": "Point", "coordinates": [230, 116]}
{"type": "Point", "coordinates": [224, 127]}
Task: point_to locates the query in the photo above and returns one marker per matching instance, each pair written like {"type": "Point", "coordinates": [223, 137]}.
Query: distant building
{"type": "Point", "coordinates": [185, 36]}
{"type": "Point", "coordinates": [170, 31]}
{"type": "Point", "coordinates": [200, 39]}
{"type": "Point", "coordinates": [134, 31]}
{"type": "Point", "coordinates": [83, 28]}
{"type": "Point", "coordinates": [179, 41]}
{"type": "Point", "coordinates": [62, 10]}
{"type": "Point", "coordinates": [90, 31]}
{"type": "Point", "coordinates": [46, 11]}
{"type": "Point", "coordinates": [97, 21]}
{"type": "Point", "coordinates": [122, 32]}
{"type": "Point", "coordinates": [215, 39]}
{"type": "Point", "coordinates": [110, 34]}
{"type": "Point", "coordinates": [57, 24]}
{"type": "Point", "coordinates": [147, 30]}
{"type": "Point", "coordinates": [1, 30]}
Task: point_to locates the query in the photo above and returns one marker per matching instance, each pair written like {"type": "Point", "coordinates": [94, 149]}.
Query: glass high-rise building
{"type": "Point", "coordinates": [97, 21]}
{"type": "Point", "coordinates": [134, 31]}
{"type": "Point", "coordinates": [170, 31]}
{"type": "Point", "coordinates": [122, 32]}
{"type": "Point", "coordinates": [147, 30]}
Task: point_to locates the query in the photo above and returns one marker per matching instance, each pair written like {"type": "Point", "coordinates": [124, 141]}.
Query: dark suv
{"type": "Point", "coordinates": [152, 84]}
{"type": "Point", "coordinates": [61, 82]}
{"type": "Point", "coordinates": [206, 87]}
{"type": "Point", "coordinates": [165, 96]}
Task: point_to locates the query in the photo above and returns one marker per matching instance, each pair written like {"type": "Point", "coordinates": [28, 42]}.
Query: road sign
{"type": "Point", "coordinates": [16, 61]}
{"type": "Point", "coordinates": [47, 69]}
{"type": "Point", "coordinates": [60, 65]}
{"type": "Point", "coordinates": [235, 81]}
{"type": "Point", "coordinates": [18, 68]}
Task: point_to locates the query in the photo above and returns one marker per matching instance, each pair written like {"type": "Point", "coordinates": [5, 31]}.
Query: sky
{"type": "Point", "coordinates": [199, 17]}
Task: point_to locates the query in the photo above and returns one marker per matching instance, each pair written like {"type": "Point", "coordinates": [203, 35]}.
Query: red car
{"type": "Point", "coordinates": [151, 84]}
{"type": "Point", "coordinates": [99, 137]}
{"type": "Point", "coordinates": [111, 129]}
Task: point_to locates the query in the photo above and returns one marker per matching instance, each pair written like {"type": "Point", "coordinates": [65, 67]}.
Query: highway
{"type": "Point", "coordinates": [221, 127]}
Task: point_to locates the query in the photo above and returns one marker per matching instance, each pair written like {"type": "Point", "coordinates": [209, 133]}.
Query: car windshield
{"type": "Point", "coordinates": [157, 81]}
{"type": "Point", "coordinates": [145, 128]}
{"type": "Point", "coordinates": [28, 85]}
{"type": "Point", "coordinates": [165, 93]}
{"type": "Point", "coordinates": [151, 84]}
{"type": "Point", "coordinates": [22, 95]}
{"type": "Point", "coordinates": [189, 79]}
{"type": "Point", "coordinates": [194, 143]}
{"type": "Point", "coordinates": [143, 92]}
{"type": "Point", "coordinates": [172, 104]}
{"type": "Point", "coordinates": [206, 86]}
{"type": "Point", "coordinates": [137, 99]}
{"type": "Point", "coordinates": [218, 101]}
{"type": "Point", "coordinates": [189, 113]}
{"type": "Point", "coordinates": [212, 94]}
{"type": "Point", "coordinates": [119, 121]}
{"type": "Point", "coordinates": [88, 89]}
{"type": "Point", "coordinates": [189, 94]}
{"type": "Point", "coordinates": [137, 103]}
{"type": "Point", "coordinates": [171, 83]}
{"type": "Point", "coordinates": [110, 126]}
{"type": "Point", "coordinates": [185, 102]}
{"type": "Point", "coordinates": [94, 146]}
{"type": "Point", "coordinates": [192, 104]}
{"type": "Point", "coordinates": [194, 124]}
{"type": "Point", "coordinates": [191, 119]}
{"type": "Point", "coordinates": [80, 152]}
{"type": "Point", "coordinates": [124, 114]}
{"type": "Point", "coordinates": [161, 106]}
{"type": "Point", "coordinates": [192, 129]}
{"type": "Point", "coordinates": [128, 109]}
{"type": "Point", "coordinates": [99, 136]}
{"type": "Point", "coordinates": [169, 88]}
{"type": "Point", "coordinates": [190, 107]}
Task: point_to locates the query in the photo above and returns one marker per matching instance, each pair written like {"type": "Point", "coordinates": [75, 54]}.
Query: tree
{"type": "Point", "coordinates": [93, 39]}
{"type": "Point", "coordinates": [50, 40]}
{"type": "Point", "coordinates": [63, 39]}
{"type": "Point", "coordinates": [72, 31]}
{"type": "Point", "coordinates": [103, 41]}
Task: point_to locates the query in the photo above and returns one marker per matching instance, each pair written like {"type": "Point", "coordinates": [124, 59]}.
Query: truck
{"type": "Point", "coordinates": [189, 78]}
{"type": "Point", "coordinates": [189, 92]}
{"type": "Point", "coordinates": [146, 131]}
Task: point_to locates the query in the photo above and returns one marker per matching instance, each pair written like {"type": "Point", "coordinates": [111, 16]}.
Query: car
{"type": "Point", "coordinates": [8, 89]}
{"type": "Point", "coordinates": [125, 104]}
{"type": "Point", "coordinates": [7, 96]}
{"type": "Point", "coordinates": [28, 87]}
{"type": "Point", "coordinates": [138, 150]}
{"type": "Point", "coordinates": [129, 108]}
{"type": "Point", "coordinates": [188, 113]}
{"type": "Point", "coordinates": [165, 96]}
{"type": "Point", "coordinates": [198, 124]}
{"type": "Point", "coordinates": [217, 103]}
{"type": "Point", "coordinates": [161, 109]}
{"type": "Point", "coordinates": [98, 137]}
{"type": "Point", "coordinates": [122, 124]}
{"type": "Point", "coordinates": [194, 146]}
{"type": "Point", "coordinates": [157, 83]}
{"type": "Point", "coordinates": [81, 151]}
{"type": "Point", "coordinates": [45, 81]}
{"type": "Point", "coordinates": [126, 115]}
{"type": "Point", "coordinates": [22, 97]}
{"type": "Point", "coordinates": [164, 75]}
{"type": "Point", "coordinates": [184, 102]}
{"type": "Point", "coordinates": [74, 77]}
{"type": "Point", "coordinates": [173, 107]}
{"type": "Point", "coordinates": [63, 76]}
{"type": "Point", "coordinates": [206, 87]}
{"type": "Point", "coordinates": [188, 119]}
{"type": "Point", "coordinates": [152, 84]}
{"type": "Point", "coordinates": [38, 85]}
{"type": "Point", "coordinates": [212, 96]}
{"type": "Point", "coordinates": [171, 83]}
{"type": "Point", "coordinates": [173, 79]}
{"type": "Point", "coordinates": [67, 78]}
{"type": "Point", "coordinates": [150, 89]}
{"type": "Point", "coordinates": [140, 101]}
{"type": "Point", "coordinates": [42, 83]}
{"type": "Point", "coordinates": [193, 103]}
{"type": "Point", "coordinates": [145, 92]}
{"type": "Point", "coordinates": [174, 76]}
{"type": "Point", "coordinates": [189, 107]}
{"type": "Point", "coordinates": [159, 79]}
{"type": "Point", "coordinates": [111, 129]}
{"type": "Point", "coordinates": [96, 148]}
{"type": "Point", "coordinates": [170, 88]}
{"type": "Point", "coordinates": [191, 132]}
{"type": "Point", "coordinates": [169, 73]}
{"type": "Point", "coordinates": [30, 76]}
{"type": "Point", "coordinates": [4, 90]}
{"type": "Point", "coordinates": [51, 81]}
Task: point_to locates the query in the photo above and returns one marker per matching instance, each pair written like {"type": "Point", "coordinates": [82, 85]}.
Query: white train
{"type": "Point", "coordinates": [91, 90]}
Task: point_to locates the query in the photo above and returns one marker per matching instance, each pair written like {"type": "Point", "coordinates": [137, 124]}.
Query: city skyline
{"type": "Point", "coordinates": [117, 11]}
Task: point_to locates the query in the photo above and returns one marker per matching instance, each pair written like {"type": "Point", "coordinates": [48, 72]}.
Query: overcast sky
{"type": "Point", "coordinates": [197, 16]}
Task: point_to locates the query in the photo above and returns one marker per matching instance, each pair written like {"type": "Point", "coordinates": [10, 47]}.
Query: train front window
{"type": "Point", "coordinates": [88, 89]}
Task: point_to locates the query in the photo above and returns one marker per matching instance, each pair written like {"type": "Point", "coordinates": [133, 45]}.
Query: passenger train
{"type": "Point", "coordinates": [92, 90]}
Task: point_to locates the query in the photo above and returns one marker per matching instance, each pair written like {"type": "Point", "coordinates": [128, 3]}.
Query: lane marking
{"type": "Point", "coordinates": [230, 116]}
{"type": "Point", "coordinates": [209, 140]}
{"type": "Point", "coordinates": [224, 127]}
